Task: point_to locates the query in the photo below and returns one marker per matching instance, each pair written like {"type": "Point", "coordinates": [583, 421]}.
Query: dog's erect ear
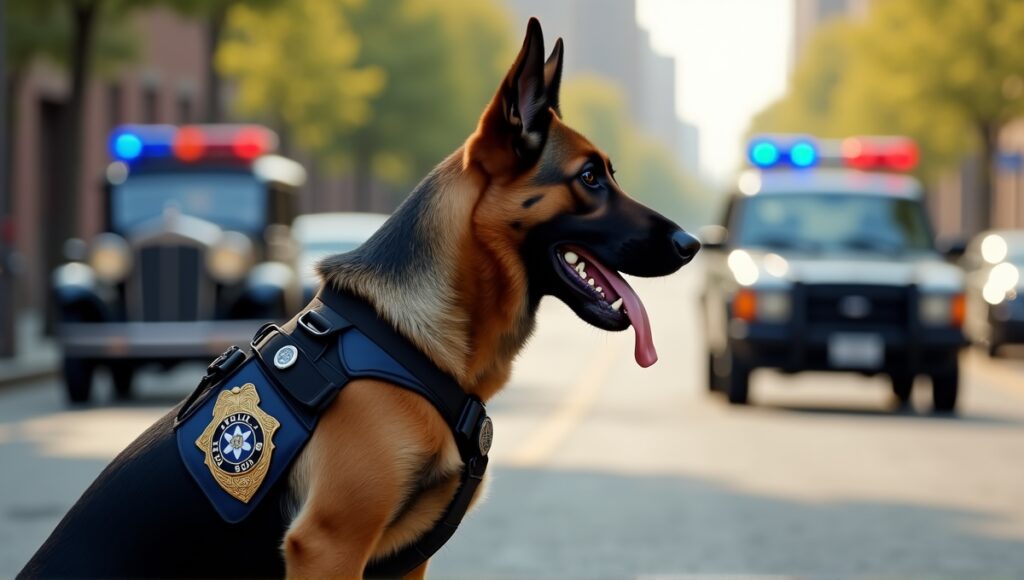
{"type": "Point", "coordinates": [524, 91]}
{"type": "Point", "coordinates": [553, 77]}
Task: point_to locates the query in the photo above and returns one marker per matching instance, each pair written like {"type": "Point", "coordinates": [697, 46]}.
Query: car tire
{"type": "Point", "coordinates": [714, 380]}
{"type": "Point", "coordinates": [902, 386]}
{"type": "Point", "coordinates": [993, 349]}
{"type": "Point", "coordinates": [945, 387]}
{"type": "Point", "coordinates": [122, 375]}
{"type": "Point", "coordinates": [78, 375]}
{"type": "Point", "coordinates": [738, 388]}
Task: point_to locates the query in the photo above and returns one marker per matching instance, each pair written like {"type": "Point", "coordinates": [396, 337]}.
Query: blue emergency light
{"type": "Point", "coordinates": [769, 151]}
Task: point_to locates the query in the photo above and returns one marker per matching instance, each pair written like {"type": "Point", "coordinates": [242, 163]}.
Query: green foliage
{"type": "Point", "coordinates": [296, 64]}
{"type": "Point", "coordinates": [644, 167]}
{"type": "Point", "coordinates": [944, 72]}
{"type": "Point", "coordinates": [42, 29]}
{"type": "Point", "coordinates": [383, 87]}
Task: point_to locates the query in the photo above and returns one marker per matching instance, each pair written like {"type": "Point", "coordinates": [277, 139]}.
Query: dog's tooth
{"type": "Point", "coordinates": [600, 290]}
{"type": "Point", "coordinates": [617, 304]}
{"type": "Point", "coordinates": [571, 257]}
{"type": "Point", "coordinates": [581, 266]}
{"type": "Point", "coordinates": [590, 281]}
{"type": "Point", "coordinates": [583, 275]}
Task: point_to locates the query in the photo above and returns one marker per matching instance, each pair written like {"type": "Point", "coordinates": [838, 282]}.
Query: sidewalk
{"type": "Point", "coordinates": [37, 356]}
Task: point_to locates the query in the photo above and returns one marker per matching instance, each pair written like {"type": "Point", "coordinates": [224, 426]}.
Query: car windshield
{"type": "Point", "coordinates": [234, 201]}
{"type": "Point", "coordinates": [833, 222]}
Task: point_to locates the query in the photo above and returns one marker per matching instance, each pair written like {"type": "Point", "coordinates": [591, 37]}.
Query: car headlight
{"type": "Point", "coordinates": [110, 258]}
{"type": "Point", "coordinates": [230, 259]}
{"type": "Point", "coordinates": [941, 309]}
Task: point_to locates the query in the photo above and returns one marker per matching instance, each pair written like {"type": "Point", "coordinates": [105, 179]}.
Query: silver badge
{"type": "Point", "coordinates": [486, 436]}
{"type": "Point", "coordinates": [286, 357]}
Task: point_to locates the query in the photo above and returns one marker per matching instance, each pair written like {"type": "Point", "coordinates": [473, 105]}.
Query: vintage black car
{"type": "Point", "coordinates": [825, 261]}
{"type": "Point", "coordinates": [196, 255]}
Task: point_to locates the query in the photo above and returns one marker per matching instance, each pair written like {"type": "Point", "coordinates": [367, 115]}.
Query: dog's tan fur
{"type": "Point", "coordinates": [382, 465]}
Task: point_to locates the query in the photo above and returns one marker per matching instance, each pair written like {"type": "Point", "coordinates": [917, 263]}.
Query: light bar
{"type": "Point", "coordinates": [868, 153]}
{"type": "Point", "coordinates": [192, 143]}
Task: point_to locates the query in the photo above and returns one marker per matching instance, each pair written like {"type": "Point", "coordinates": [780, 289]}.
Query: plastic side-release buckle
{"type": "Point", "coordinates": [228, 361]}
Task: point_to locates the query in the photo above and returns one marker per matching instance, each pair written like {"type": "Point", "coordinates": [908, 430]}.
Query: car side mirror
{"type": "Point", "coordinates": [713, 237]}
{"type": "Point", "coordinates": [953, 248]}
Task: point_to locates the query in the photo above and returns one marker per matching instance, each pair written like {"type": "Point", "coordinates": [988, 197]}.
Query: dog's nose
{"type": "Point", "coordinates": [686, 245]}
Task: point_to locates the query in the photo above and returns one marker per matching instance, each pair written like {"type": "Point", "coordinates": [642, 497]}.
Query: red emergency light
{"type": "Point", "coordinates": [880, 153]}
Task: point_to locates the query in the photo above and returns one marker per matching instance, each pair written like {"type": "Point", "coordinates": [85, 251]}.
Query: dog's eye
{"type": "Point", "coordinates": [588, 178]}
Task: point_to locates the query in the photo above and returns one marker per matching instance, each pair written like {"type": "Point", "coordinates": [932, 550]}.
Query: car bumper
{"type": "Point", "coordinates": [155, 340]}
{"type": "Point", "coordinates": [1008, 331]}
{"type": "Point", "coordinates": [779, 346]}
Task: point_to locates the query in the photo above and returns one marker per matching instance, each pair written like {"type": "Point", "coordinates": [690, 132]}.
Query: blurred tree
{"type": "Point", "coordinates": [948, 73]}
{"type": "Point", "coordinates": [295, 66]}
{"type": "Point", "coordinates": [644, 167]}
{"type": "Point", "coordinates": [426, 69]}
{"type": "Point", "coordinates": [214, 15]}
{"type": "Point", "coordinates": [439, 78]}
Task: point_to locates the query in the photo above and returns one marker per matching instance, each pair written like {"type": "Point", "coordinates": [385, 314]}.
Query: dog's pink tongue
{"type": "Point", "coordinates": [643, 350]}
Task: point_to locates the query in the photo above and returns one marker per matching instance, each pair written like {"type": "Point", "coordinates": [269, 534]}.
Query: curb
{"type": "Point", "coordinates": [28, 375]}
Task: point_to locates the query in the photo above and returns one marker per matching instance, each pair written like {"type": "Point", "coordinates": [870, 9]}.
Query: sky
{"type": "Point", "coordinates": [732, 59]}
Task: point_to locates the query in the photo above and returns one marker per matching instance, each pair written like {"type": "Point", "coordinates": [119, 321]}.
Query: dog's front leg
{"type": "Point", "coordinates": [354, 474]}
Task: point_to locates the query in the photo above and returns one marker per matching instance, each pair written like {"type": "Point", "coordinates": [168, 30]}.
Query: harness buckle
{"type": "Point", "coordinates": [475, 426]}
{"type": "Point", "coordinates": [315, 323]}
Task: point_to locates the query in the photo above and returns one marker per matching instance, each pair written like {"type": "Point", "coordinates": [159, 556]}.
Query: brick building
{"type": "Point", "coordinates": [166, 84]}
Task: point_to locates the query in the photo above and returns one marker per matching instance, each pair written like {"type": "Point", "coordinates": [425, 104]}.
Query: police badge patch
{"type": "Point", "coordinates": [238, 442]}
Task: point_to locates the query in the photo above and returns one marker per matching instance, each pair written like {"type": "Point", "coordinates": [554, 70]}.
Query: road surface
{"type": "Point", "coordinates": [603, 469]}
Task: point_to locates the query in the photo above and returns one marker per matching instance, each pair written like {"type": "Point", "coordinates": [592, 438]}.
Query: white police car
{"type": "Point", "coordinates": [825, 261]}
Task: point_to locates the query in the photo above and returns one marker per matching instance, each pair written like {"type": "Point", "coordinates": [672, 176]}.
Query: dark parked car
{"type": "Point", "coordinates": [197, 252]}
{"type": "Point", "coordinates": [995, 304]}
{"type": "Point", "coordinates": [826, 262]}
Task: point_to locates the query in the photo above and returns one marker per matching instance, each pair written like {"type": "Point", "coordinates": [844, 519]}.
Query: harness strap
{"type": "Point", "coordinates": [311, 357]}
{"type": "Point", "coordinates": [465, 415]}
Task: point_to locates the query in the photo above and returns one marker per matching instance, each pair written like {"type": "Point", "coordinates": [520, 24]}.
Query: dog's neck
{"type": "Point", "coordinates": [459, 294]}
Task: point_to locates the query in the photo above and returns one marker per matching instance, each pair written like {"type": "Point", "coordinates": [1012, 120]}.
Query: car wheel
{"type": "Point", "coordinates": [739, 382]}
{"type": "Point", "coordinates": [714, 380]}
{"type": "Point", "coordinates": [945, 386]}
{"type": "Point", "coordinates": [902, 386]}
{"type": "Point", "coordinates": [78, 379]}
{"type": "Point", "coordinates": [993, 349]}
{"type": "Point", "coordinates": [122, 375]}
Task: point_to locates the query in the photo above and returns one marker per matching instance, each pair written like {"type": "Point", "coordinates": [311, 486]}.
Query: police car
{"type": "Point", "coordinates": [196, 255]}
{"type": "Point", "coordinates": [825, 261]}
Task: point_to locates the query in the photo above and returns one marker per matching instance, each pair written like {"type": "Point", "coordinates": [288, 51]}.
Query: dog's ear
{"type": "Point", "coordinates": [524, 93]}
{"type": "Point", "coordinates": [553, 77]}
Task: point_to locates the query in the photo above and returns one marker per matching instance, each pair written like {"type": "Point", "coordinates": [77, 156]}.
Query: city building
{"type": "Point", "coordinates": [165, 85]}
{"type": "Point", "coordinates": [647, 78]}
{"type": "Point", "coordinates": [808, 15]}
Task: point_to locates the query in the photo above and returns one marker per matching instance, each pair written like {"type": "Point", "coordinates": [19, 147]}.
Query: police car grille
{"type": "Point", "coordinates": [843, 305]}
{"type": "Point", "coordinates": [169, 284]}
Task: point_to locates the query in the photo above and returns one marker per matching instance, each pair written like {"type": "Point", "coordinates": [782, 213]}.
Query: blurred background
{"type": "Point", "coordinates": [125, 249]}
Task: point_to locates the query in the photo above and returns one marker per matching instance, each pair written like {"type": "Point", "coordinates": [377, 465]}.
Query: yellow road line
{"type": "Point", "coordinates": [542, 443]}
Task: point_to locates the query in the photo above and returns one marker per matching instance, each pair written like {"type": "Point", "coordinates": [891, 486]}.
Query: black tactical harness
{"type": "Point", "coordinates": [307, 361]}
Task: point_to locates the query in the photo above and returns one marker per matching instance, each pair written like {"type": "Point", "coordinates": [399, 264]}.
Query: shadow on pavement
{"type": "Point", "coordinates": [557, 523]}
{"type": "Point", "coordinates": [963, 418]}
{"type": "Point", "coordinates": [597, 524]}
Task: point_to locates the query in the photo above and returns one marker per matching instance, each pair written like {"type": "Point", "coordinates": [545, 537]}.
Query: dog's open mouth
{"type": "Point", "coordinates": [613, 297]}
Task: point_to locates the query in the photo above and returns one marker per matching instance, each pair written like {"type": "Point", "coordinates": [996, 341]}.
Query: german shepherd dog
{"type": "Point", "coordinates": [527, 207]}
